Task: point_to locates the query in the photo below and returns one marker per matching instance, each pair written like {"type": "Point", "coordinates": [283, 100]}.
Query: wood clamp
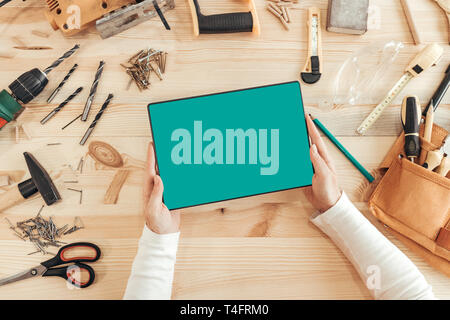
{"type": "Point", "coordinates": [425, 59]}
{"type": "Point", "coordinates": [224, 23]}
{"type": "Point", "coordinates": [410, 19]}
{"type": "Point", "coordinates": [445, 5]}
{"type": "Point", "coordinates": [313, 69]}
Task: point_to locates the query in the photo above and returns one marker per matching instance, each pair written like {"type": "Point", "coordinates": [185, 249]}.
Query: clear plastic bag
{"type": "Point", "coordinates": [359, 76]}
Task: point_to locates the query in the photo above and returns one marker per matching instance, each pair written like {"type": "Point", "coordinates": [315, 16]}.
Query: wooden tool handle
{"type": "Point", "coordinates": [448, 20]}
{"type": "Point", "coordinates": [444, 168]}
{"type": "Point", "coordinates": [411, 23]}
{"type": "Point", "coordinates": [10, 198]}
{"type": "Point", "coordinates": [434, 158]}
{"type": "Point", "coordinates": [445, 6]}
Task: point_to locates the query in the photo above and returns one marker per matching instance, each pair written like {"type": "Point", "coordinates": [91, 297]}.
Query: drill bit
{"type": "Point", "coordinates": [58, 88]}
{"type": "Point", "coordinates": [97, 117]}
{"type": "Point", "coordinates": [61, 59]}
{"type": "Point", "coordinates": [78, 117]}
{"type": "Point", "coordinates": [90, 99]}
{"type": "Point", "coordinates": [58, 108]}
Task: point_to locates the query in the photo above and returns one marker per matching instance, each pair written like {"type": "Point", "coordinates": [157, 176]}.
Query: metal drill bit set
{"type": "Point", "coordinates": [87, 108]}
{"type": "Point", "coordinates": [142, 64]}
{"type": "Point", "coordinates": [43, 233]}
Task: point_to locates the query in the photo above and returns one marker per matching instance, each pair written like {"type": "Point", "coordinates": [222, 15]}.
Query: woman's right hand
{"type": "Point", "coordinates": [324, 192]}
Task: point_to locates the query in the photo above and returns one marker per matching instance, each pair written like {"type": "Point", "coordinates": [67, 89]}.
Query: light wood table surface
{"type": "Point", "coordinates": [262, 247]}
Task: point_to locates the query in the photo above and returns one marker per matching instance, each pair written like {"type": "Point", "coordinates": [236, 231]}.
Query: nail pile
{"type": "Point", "coordinates": [43, 233]}
{"type": "Point", "coordinates": [280, 9]}
{"type": "Point", "coordinates": [142, 64]}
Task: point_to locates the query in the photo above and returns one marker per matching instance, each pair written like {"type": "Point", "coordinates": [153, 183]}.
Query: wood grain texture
{"type": "Point", "coordinates": [258, 247]}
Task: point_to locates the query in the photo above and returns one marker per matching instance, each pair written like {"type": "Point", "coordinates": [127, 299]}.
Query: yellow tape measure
{"type": "Point", "coordinates": [423, 61]}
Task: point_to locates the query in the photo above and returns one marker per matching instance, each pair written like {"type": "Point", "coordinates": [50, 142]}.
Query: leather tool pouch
{"type": "Point", "coordinates": [415, 202]}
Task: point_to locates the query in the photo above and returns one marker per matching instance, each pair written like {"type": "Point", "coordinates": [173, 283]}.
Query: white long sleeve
{"type": "Point", "coordinates": [153, 268]}
{"type": "Point", "coordinates": [385, 270]}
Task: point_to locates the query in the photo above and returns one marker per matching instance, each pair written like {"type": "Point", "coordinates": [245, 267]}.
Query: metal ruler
{"type": "Point", "coordinates": [315, 36]}
{"type": "Point", "coordinates": [376, 113]}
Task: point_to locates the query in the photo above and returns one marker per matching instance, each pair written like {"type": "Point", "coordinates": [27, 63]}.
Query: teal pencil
{"type": "Point", "coordinates": [343, 150]}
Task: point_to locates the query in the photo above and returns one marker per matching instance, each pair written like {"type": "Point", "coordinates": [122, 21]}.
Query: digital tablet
{"type": "Point", "coordinates": [231, 145]}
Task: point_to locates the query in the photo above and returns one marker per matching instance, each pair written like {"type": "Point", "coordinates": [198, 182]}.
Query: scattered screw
{"type": "Point", "coordinates": [80, 165]}
{"type": "Point", "coordinates": [80, 191]}
{"type": "Point", "coordinates": [142, 64]}
{"type": "Point", "coordinates": [42, 232]}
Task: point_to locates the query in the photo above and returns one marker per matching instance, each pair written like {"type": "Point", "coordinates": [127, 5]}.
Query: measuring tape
{"type": "Point", "coordinates": [423, 61]}
{"type": "Point", "coordinates": [376, 113]}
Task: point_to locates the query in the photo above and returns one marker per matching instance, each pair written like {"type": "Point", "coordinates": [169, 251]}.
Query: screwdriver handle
{"type": "Point", "coordinates": [444, 167]}
{"type": "Point", "coordinates": [411, 115]}
{"type": "Point", "coordinates": [434, 158]}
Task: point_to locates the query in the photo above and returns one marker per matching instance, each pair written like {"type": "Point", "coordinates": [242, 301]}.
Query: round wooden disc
{"type": "Point", "coordinates": [105, 154]}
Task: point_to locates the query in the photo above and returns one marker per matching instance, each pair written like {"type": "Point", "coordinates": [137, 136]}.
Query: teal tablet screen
{"type": "Point", "coordinates": [230, 145]}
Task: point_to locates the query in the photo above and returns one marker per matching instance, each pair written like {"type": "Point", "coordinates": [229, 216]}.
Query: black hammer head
{"type": "Point", "coordinates": [40, 181]}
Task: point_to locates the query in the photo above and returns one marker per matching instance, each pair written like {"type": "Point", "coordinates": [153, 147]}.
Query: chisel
{"type": "Point", "coordinates": [440, 92]}
{"type": "Point", "coordinates": [411, 115]}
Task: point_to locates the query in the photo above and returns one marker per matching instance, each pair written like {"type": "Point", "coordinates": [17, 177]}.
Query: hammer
{"type": "Point", "coordinates": [40, 181]}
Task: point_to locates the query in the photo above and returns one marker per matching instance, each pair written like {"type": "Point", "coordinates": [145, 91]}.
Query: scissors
{"type": "Point", "coordinates": [69, 272]}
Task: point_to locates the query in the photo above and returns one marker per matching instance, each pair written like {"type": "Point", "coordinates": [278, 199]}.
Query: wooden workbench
{"type": "Point", "coordinates": [260, 247]}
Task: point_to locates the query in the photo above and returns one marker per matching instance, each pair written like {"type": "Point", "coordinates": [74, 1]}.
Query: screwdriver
{"type": "Point", "coordinates": [411, 116]}
{"type": "Point", "coordinates": [435, 158]}
{"type": "Point", "coordinates": [444, 167]}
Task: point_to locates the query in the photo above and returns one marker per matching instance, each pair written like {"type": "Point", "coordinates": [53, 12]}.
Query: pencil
{"type": "Point", "coordinates": [341, 148]}
{"type": "Point", "coordinates": [429, 123]}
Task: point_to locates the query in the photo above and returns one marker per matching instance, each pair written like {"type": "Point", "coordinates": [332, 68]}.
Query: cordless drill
{"type": "Point", "coordinates": [25, 88]}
